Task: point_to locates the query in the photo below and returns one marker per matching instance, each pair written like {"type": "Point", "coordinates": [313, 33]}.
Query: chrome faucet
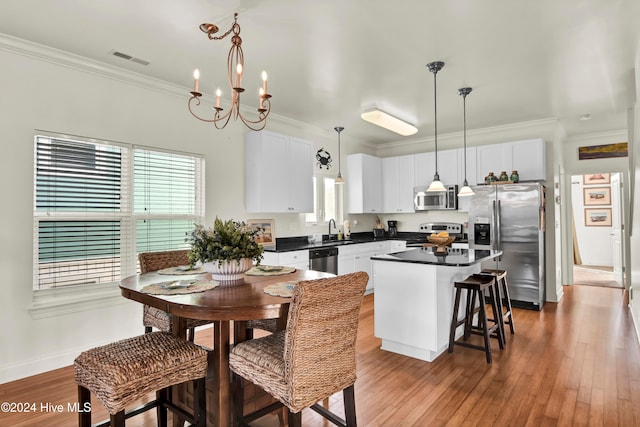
{"type": "Point", "coordinates": [334, 227]}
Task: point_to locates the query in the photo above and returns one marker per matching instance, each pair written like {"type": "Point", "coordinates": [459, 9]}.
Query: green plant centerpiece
{"type": "Point", "coordinates": [227, 251]}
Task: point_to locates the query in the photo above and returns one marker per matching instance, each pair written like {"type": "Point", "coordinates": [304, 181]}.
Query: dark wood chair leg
{"type": "Point", "coordinates": [454, 320]}
{"type": "Point", "coordinates": [485, 326]}
{"type": "Point", "coordinates": [161, 411]}
{"type": "Point", "coordinates": [237, 393]}
{"type": "Point", "coordinates": [84, 397]}
{"type": "Point", "coordinates": [497, 315]}
{"type": "Point", "coordinates": [200, 402]}
{"type": "Point", "coordinates": [507, 298]}
{"type": "Point", "coordinates": [295, 420]}
{"type": "Point", "coordinates": [117, 420]}
{"type": "Point", "coordinates": [349, 399]}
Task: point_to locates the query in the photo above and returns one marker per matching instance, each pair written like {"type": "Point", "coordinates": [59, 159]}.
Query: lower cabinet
{"type": "Point", "coordinates": [296, 259]}
{"type": "Point", "coordinates": [357, 257]}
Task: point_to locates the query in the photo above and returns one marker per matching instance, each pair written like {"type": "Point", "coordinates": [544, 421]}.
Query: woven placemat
{"type": "Point", "coordinates": [269, 270]}
{"type": "Point", "coordinates": [181, 270]}
{"type": "Point", "coordinates": [176, 287]}
{"type": "Point", "coordinates": [282, 289]}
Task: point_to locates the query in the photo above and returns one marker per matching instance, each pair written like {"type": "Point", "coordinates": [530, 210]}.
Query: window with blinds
{"type": "Point", "coordinates": [98, 204]}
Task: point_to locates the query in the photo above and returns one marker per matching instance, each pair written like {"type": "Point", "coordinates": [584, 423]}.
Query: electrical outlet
{"type": "Point", "coordinates": [293, 226]}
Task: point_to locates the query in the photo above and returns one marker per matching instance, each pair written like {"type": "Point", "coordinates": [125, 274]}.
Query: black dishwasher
{"type": "Point", "coordinates": [324, 259]}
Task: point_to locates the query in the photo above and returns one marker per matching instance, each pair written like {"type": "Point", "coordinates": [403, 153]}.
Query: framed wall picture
{"type": "Point", "coordinates": [597, 217]}
{"type": "Point", "coordinates": [594, 196]}
{"type": "Point", "coordinates": [266, 231]}
{"type": "Point", "coordinates": [597, 178]}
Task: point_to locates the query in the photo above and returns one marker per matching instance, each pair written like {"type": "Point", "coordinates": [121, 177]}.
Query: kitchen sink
{"type": "Point", "coordinates": [337, 242]}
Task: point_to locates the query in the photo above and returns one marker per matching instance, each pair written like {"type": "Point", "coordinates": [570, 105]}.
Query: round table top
{"type": "Point", "coordinates": [241, 300]}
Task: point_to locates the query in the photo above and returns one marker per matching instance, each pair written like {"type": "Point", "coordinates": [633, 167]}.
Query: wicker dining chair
{"type": "Point", "coordinates": [154, 317]}
{"type": "Point", "coordinates": [313, 358]}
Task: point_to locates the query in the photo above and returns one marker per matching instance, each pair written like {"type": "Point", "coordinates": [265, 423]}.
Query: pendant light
{"type": "Point", "coordinates": [465, 190]}
{"type": "Point", "coordinates": [434, 67]}
{"type": "Point", "coordinates": [339, 179]}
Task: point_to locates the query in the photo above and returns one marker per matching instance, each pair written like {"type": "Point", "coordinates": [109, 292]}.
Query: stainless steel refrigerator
{"type": "Point", "coordinates": [510, 218]}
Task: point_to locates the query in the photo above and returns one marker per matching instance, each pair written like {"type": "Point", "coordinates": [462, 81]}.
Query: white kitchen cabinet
{"type": "Point", "coordinates": [425, 167]}
{"type": "Point", "coordinates": [448, 167]}
{"type": "Point", "coordinates": [279, 173]}
{"type": "Point", "coordinates": [492, 158]}
{"type": "Point", "coordinates": [528, 157]}
{"type": "Point", "coordinates": [397, 184]}
{"type": "Point", "coordinates": [471, 167]}
{"type": "Point", "coordinates": [296, 259]}
{"type": "Point", "coordinates": [364, 183]}
{"type": "Point", "coordinates": [357, 257]}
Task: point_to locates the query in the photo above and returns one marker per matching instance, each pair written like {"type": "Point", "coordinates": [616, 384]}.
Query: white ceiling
{"type": "Point", "coordinates": [330, 60]}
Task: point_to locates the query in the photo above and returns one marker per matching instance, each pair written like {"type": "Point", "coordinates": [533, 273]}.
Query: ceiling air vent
{"type": "Point", "coordinates": [129, 57]}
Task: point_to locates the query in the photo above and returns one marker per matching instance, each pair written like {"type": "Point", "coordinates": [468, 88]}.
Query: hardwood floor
{"type": "Point", "coordinates": [573, 363]}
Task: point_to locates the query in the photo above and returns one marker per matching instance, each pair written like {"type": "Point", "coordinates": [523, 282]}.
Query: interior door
{"type": "Point", "coordinates": [616, 228]}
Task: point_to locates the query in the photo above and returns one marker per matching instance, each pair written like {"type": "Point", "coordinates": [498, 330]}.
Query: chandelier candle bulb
{"type": "Point", "coordinates": [196, 77]}
{"type": "Point", "coordinates": [264, 82]}
{"type": "Point", "coordinates": [218, 93]}
{"type": "Point", "coordinates": [261, 97]}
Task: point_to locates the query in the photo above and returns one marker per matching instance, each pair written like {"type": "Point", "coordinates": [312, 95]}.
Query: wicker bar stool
{"type": "Point", "coordinates": [120, 373]}
{"type": "Point", "coordinates": [504, 300]}
{"type": "Point", "coordinates": [476, 286]}
{"type": "Point", "coordinates": [313, 358]}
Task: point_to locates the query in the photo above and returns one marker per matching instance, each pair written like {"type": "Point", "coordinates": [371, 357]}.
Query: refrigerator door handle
{"type": "Point", "coordinates": [497, 213]}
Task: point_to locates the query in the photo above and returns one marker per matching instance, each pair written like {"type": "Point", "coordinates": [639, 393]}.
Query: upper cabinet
{"type": "Point", "coordinates": [471, 166]}
{"type": "Point", "coordinates": [528, 157]}
{"type": "Point", "coordinates": [425, 167]}
{"type": "Point", "coordinates": [364, 183]}
{"type": "Point", "coordinates": [279, 173]}
{"type": "Point", "coordinates": [397, 181]}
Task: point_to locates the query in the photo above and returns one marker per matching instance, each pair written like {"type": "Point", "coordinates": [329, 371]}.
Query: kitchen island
{"type": "Point", "coordinates": [414, 297]}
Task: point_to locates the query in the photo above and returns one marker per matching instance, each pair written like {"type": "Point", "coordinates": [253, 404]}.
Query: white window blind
{"type": "Point", "coordinates": [85, 231]}
{"type": "Point", "coordinates": [166, 199]}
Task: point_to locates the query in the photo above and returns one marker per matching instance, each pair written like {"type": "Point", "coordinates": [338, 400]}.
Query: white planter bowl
{"type": "Point", "coordinates": [228, 270]}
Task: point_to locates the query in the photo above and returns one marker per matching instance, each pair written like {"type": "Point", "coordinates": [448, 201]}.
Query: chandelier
{"type": "Point", "coordinates": [235, 69]}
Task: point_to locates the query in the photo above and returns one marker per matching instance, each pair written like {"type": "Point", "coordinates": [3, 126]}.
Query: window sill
{"type": "Point", "coordinates": [74, 299]}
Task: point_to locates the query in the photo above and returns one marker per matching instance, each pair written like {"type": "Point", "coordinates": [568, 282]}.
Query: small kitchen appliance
{"type": "Point", "coordinates": [393, 229]}
{"type": "Point", "coordinates": [437, 200]}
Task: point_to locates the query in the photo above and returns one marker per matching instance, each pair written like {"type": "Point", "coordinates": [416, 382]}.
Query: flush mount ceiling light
{"type": "Point", "coordinates": [434, 67]}
{"type": "Point", "coordinates": [235, 69]}
{"type": "Point", "coordinates": [465, 190]}
{"type": "Point", "coordinates": [387, 121]}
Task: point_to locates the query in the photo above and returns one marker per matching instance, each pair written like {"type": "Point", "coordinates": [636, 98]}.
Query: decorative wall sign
{"type": "Point", "coordinates": [597, 196]}
{"type": "Point", "coordinates": [619, 149]}
{"type": "Point", "coordinates": [597, 178]}
{"type": "Point", "coordinates": [266, 231]}
{"type": "Point", "coordinates": [324, 159]}
{"type": "Point", "coordinates": [597, 217]}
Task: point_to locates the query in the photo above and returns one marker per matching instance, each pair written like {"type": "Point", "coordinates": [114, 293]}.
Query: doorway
{"type": "Point", "coordinates": [597, 229]}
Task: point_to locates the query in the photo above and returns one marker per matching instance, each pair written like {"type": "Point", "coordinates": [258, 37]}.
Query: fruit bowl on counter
{"type": "Point", "coordinates": [441, 241]}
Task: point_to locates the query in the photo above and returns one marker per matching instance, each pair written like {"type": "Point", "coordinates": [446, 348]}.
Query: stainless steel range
{"type": "Point", "coordinates": [454, 230]}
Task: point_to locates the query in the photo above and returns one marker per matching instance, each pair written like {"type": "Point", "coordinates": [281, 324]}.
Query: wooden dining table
{"type": "Point", "coordinates": [237, 301]}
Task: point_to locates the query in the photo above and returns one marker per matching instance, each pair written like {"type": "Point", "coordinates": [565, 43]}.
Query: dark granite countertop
{"type": "Point", "coordinates": [452, 258]}
{"type": "Point", "coordinates": [289, 244]}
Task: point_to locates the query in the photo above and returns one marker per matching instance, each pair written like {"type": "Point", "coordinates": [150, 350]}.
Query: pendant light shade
{"type": "Point", "coordinates": [339, 179]}
{"type": "Point", "coordinates": [465, 190]}
{"type": "Point", "coordinates": [436, 184]}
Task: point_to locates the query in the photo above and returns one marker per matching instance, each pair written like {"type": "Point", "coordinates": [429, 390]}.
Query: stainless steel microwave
{"type": "Point", "coordinates": [437, 200]}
